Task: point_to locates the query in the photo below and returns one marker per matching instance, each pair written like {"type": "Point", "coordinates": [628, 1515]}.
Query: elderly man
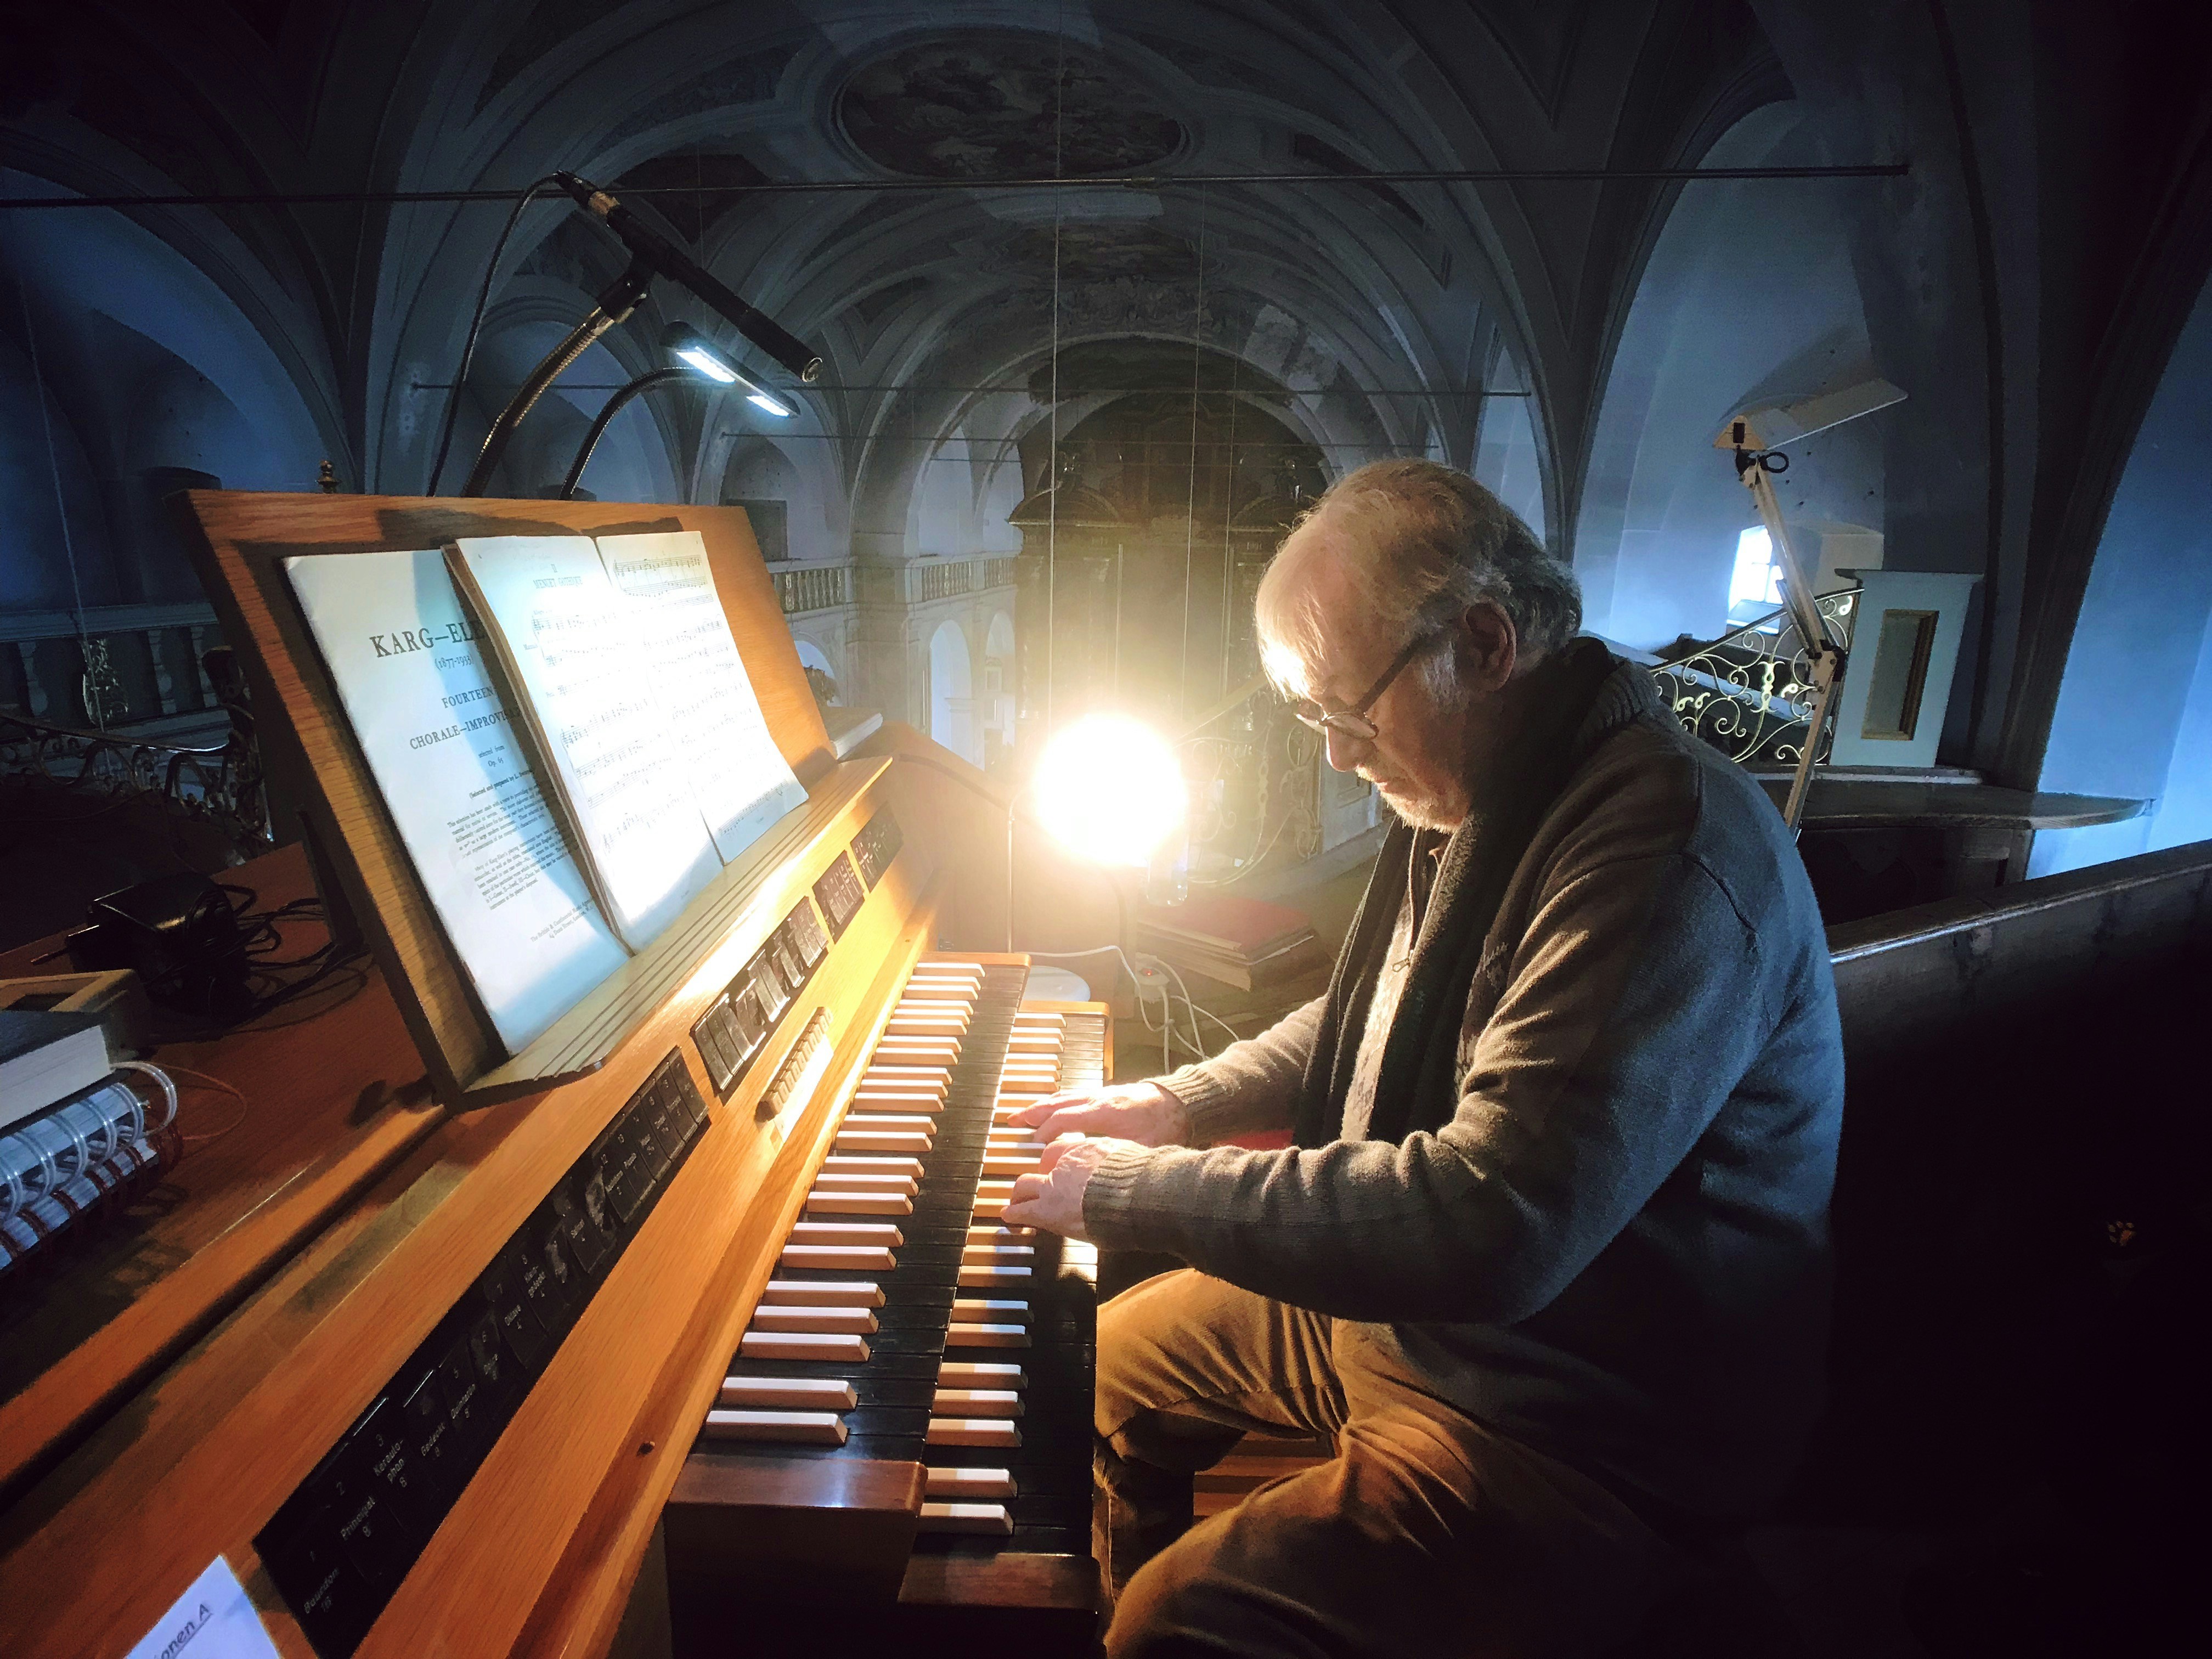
{"type": "Point", "coordinates": [1547, 1263]}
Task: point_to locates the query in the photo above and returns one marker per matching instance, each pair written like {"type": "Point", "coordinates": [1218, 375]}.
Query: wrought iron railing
{"type": "Point", "coordinates": [59, 774]}
{"type": "Point", "coordinates": [1750, 692]}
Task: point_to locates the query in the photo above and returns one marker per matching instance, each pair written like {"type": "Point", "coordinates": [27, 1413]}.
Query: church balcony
{"type": "Point", "coordinates": [135, 668]}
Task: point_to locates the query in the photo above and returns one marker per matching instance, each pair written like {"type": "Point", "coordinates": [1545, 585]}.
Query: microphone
{"type": "Point", "coordinates": [657, 253]}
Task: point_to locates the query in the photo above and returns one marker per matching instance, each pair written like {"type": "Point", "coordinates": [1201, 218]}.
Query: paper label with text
{"type": "Point", "coordinates": [213, 1620]}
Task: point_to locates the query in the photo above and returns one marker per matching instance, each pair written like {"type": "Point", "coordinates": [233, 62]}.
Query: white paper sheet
{"type": "Point", "coordinates": [485, 841]}
{"type": "Point", "coordinates": [583, 664]}
{"type": "Point", "coordinates": [213, 1620]}
{"type": "Point", "coordinates": [739, 778]}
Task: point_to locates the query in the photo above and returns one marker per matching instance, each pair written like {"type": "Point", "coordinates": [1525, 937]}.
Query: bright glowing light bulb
{"type": "Point", "coordinates": [761, 400]}
{"type": "Point", "coordinates": [1109, 788]}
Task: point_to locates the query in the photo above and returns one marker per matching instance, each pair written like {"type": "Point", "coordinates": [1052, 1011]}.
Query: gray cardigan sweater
{"type": "Point", "coordinates": [1617, 1249]}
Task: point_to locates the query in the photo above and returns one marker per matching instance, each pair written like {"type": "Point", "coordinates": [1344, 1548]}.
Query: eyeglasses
{"type": "Point", "coordinates": [1353, 722]}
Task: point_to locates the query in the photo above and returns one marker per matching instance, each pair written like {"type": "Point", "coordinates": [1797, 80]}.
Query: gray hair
{"type": "Point", "coordinates": [1420, 543]}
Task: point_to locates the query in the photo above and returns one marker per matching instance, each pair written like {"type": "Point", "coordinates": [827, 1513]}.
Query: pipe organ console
{"type": "Point", "coordinates": [447, 1350]}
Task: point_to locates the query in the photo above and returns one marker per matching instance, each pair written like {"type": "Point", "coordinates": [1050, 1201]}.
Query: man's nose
{"type": "Point", "coordinates": [1345, 752]}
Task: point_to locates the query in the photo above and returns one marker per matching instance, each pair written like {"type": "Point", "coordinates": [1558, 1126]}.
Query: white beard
{"type": "Point", "coordinates": [1419, 811]}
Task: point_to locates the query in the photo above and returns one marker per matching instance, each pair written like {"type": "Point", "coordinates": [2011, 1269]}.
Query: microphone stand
{"type": "Point", "coordinates": [622, 297]}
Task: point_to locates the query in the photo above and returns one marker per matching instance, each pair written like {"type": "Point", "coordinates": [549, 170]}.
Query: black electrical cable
{"type": "Point", "coordinates": [476, 324]}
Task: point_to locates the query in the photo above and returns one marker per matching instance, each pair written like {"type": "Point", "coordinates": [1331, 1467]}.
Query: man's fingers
{"type": "Point", "coordinates": [1028, 1188]}
{"type": "Point", "coordinates": [1052, 1155]}
{"type": "Point", "coordinates": [1032, 1115]}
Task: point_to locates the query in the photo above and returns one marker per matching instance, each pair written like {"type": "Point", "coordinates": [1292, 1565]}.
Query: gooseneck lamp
{"type": "Point", "coordinates": [651, 255]}
{"type": "Point", "coordinates": [695, 359]}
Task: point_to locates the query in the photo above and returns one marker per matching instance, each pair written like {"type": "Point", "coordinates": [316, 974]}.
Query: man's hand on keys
{"type": "Point", "coordinates": [1053, 1199]}
{"type": "Point", "coordinates": [1097, 1123]}
{"type": "Point", "coordinates": [1142, 1112]}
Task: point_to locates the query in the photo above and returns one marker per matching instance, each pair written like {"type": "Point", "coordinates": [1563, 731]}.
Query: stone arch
{"type": "Point", "coordinates": [2134, 714]}
{"type": "Point", "coordinates": [148, 365]}
{"type": "Point", "coordinates": [1746, 298]}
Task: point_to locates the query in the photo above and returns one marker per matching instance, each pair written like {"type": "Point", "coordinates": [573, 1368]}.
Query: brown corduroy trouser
{"type": "Point", "coordinates": [1426, 1534]}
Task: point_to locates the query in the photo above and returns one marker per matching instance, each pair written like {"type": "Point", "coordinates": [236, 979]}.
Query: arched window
{"type": "Point", "coordinates": [951, 693]}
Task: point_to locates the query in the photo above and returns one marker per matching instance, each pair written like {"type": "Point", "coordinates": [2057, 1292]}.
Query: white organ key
{"type": "Point", "coordinates": [924, 1025]}
{"type": "Point", "coordinates": [969, 1310]}
{"type": "Point", "coordinates": [971, 1431]}
{"type": "Point", "coordinates": [988, 1255]}
{"type": "Point", "coordinates": [830, 1202]}
{"type": "Point", "coordinates": [997, 1164]}
{"type": "Point", "coordinates": [1000, 1233]}
{"type": "Point", "coordinates": [822, 1293]}
{"type": "Point", "coordinates": [804, 1428]}
{"type": "Point", "coordinates": [982, 1336]}
{"type": "Point", "coordinates": [839, 1180]}
{"type": "Point", "coordinates": [857, 1322]}
{"type": "Point", "coordinates": [982, 1520]}
{"type": "Point", "coordinates": [918, 1050]}
{"type": "Point", "coordinates": [990, 1279]}
{"type": "Point", "coordinates": [849, 1258]}
{"type": "Point", "coordinates": [976, 1402]}
{"type": "Point", "coordinates": [897, 1101]}
{"type": "Point", "coordinates": [981, 1374]}
{"type": "Point", "coordinates": [905, 1166]}
{"type": "Point", "coordinates": [828, 1393]}
{"type": "Point", "coordinates": [954, 1485]}
{"type": "Point", "coordinates": [820, 1346]}
{"type": "Point", "coordinates": [885, 1140]}
{"type": "Point", "coordinates": [927, 1122]}
{"type": "Point", "coordinates": [880, 1233]}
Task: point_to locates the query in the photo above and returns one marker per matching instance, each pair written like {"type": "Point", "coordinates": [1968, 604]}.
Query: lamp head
{"type": "Point", "coordinates": [1109, 788]}
{"type": "Point", "coordinates": [689, 347]}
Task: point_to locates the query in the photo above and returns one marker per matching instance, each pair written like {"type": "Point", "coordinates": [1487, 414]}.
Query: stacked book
{"type": "Point", "coordinates": [1242, 942]}
{"type": "Point", "coordinates": [63, 1162]}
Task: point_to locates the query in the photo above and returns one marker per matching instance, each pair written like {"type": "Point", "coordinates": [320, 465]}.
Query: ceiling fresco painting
{"type": "Point", "coordinates": [984, 104]}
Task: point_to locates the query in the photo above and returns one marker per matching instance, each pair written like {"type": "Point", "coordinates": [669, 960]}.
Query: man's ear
{"type": "Point", "coordinates": [1489, 646]}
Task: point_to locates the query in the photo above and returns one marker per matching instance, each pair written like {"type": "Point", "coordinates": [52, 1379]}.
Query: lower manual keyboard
{"type": "Point", "coordinates": [905, 1320]}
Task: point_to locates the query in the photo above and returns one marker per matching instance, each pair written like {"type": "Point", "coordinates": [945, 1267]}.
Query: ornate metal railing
{"type": "Point", "coordinates": [56, 775]}
{"type": "Point", "coordinates": [1750, 692]}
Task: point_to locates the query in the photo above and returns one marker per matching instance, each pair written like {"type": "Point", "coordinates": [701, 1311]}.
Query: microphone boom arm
{"type": "Point", "coordinates": [656, 252]}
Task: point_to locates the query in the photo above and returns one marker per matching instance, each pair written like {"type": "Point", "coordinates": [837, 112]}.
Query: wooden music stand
{"type": "Point", "coordinates": [240, 540]}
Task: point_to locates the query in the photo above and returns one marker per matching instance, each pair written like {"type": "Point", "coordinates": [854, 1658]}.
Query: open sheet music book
{"type": "Point", "coordinates": [565, 736]}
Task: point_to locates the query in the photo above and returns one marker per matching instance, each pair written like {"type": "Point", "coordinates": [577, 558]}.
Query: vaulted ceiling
{"type": "Point", "coordinates": [1404, 289]}
{"type": "Point", "coordinates": [2025, 274]}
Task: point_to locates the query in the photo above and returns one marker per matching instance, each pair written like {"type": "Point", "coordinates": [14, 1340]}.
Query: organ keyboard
{"type": "Point", "coordinates": [908, 1326]}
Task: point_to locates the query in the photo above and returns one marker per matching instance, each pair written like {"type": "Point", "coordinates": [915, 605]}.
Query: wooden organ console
{"type": "Point", "coordinates": [429, 1344]}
